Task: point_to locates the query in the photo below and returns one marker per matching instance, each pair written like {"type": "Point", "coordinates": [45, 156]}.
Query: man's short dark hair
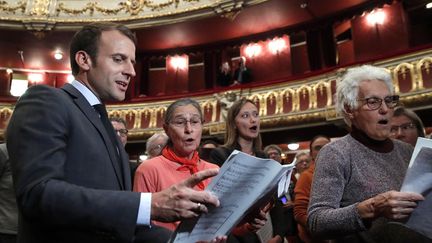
{"type": "Point", "coordinates": [119, 120]}
{"type": "Point", "coordinates": [87, 39]}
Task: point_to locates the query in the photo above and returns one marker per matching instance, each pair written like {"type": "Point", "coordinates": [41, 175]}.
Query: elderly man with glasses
{"type": "Point", "coordinates": [357, 177]}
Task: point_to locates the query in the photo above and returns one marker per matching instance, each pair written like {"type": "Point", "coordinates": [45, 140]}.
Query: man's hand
{"type": "Point", "coordinates": [180, 201]}
{"type": "Point", "coordinates": [391, 204]}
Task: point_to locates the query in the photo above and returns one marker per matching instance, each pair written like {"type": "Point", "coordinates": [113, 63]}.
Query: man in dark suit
{"type": "Point", "coordinates": [70, 171]}
{"type": "Point", "coordinates": [242, 74]}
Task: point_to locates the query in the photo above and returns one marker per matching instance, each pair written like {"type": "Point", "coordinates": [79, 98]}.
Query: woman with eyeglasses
{"type": "Point", "coordinates": [179, 159]}
{"type": "Point", "coordinates": [357, 177]}
{"type": "Point", "coordinates": [406, 126]}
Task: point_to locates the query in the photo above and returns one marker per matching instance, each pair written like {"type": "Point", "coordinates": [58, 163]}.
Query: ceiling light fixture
{"type": "Point", "coordinates": [58, 55]}
{"type": "Point", "coordinates": [9, 71]}
{"type": "Point", "coordinates": [293, 146]}
{"type": "Point", "coordinates": [429, 5]}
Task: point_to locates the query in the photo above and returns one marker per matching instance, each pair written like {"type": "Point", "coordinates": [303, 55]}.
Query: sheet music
{"type": "Point", "coordinates": [419, 179]}
{"type": "Point", "coordinates": [241, 182]}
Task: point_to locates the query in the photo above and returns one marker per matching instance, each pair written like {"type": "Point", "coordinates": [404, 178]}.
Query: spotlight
{"type": "Point", "coordinates": [293, 146]}
{"type": "Point", "coordinates": [58, 55]}
{"type": "Point", "coordinates": [429, 5]}
{"type": "Point", "coordinates": [9, 71]}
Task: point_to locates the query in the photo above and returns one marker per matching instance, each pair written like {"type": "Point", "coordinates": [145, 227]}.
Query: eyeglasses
{"type": "Point", "coordinates": [180, 122]}
{"type": "Point", "coordinates": [375, 103]}
{"type": "Point", "coordinates": [404, 127]}
{"type": "Point", "coordinates": [121, 132]}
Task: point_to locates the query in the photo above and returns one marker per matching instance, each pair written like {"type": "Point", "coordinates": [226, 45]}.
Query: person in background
{"type": "Point", "coordinates": [282, 215]}
{"type": "Point", "coordinates": [8, 205]}
{"type": "Point", "coordinates": [273, 152]}
{"type": "Point", "coordinates": [303, 187]}
{"type": "Point", "coordinates": [206, 148]}
{"type": "Point", "coordinates": [119, 125]}
{"type": "Point", "coordinates": [71, 173]}
{"type": "Point", "coordinates": [302, 162]}
{"type": "Point", "coordinates": [357, 177]}
{"type": "Point", "coordinates": [224, 77]}
{"type": "Point", "coordinates": [155, 144]}
{"type": "Point", "coordinates": [243, 134]}
{"type": "Point", "coordinates": [242, 74]}
{"type": "Point", "coordinates": [406, 126]}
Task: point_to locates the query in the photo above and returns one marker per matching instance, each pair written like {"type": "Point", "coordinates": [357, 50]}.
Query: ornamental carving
{"type": "Point", "coordinates": [66, 14]}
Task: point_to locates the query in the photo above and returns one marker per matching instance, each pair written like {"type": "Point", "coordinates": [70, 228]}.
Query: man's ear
{"type": "Point", "coordinates": [83, 60]}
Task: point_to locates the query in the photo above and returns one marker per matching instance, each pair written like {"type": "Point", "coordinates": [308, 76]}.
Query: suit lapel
{"type": "Point", "coordinates": [93, 117]}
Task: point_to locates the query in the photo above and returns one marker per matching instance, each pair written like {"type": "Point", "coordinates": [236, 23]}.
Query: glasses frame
{"type": "Point", "coordinates": [391, 102]}
{"type": "Point", "coordinates": [403, 127]}
{"type": "Point", "coordinates": [122, 132]}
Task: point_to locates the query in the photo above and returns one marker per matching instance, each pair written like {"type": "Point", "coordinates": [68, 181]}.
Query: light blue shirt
{"type": "Point", "coordinates": [145, 202]}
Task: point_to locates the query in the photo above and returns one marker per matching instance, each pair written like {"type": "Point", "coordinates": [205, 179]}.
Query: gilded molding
{"type": "Point", "coordinates": [71, 15]}
{"type": "Point", "coordinates": [5, 7]}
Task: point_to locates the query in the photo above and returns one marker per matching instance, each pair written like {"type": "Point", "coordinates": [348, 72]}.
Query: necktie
{"type": "Point", "coordinates": [100, 108]}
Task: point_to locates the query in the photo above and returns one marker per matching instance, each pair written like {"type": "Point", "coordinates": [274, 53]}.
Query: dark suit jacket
{"type": "Point", "coordinates": [70, 187]}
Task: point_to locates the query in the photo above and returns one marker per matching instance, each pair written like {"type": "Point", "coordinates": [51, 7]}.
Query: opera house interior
{"type": "Point", "coordinates": [296, 51]}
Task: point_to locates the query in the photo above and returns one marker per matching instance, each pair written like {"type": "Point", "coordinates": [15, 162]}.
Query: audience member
{"type": "Point", "coordinates": [273, 152]}
{"type": "Point", "coordinates": [155, 144]}
{"type": "Point", "coordinates": [406, 126]}
{"type": "Point", "coordinates": [242, 74]}
{"type": "Point", "coordinates": [224, 77]}
{"type": "Point", "coordinates": [303, 187]}
{"type": "Point", "coordinates": [70, 172]}
{"type": "Point", "coordinates": [243, 134]}
{"type": "Point", "coordinates": [119, 125]}
{"type": "Point", "coordinates": [206, 148]}
{"type": "Point", "coordinates": [302, 161]}
{"type": "Point", "coordinates": [354, 189]}
{"type": "Point", "coordinates": [8, 205]}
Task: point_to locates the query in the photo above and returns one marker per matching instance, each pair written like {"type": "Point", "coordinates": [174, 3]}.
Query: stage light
{"type": "Point", "coordinates": [178, 62]}
{"type": "Point", "coordinates": [19, 84]}
{"type": "Point", "coordinates": [58, 55]}
{"type": "Point", "coordinates": [277, 45]}
{"type": "Point", "coordinates": [253, 50]}
{"type": "Point", "coordinates": [376, 17]}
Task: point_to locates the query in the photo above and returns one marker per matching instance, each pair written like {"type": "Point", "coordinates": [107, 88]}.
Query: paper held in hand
{"type": "Point", "coordinates": [244, 183]}
{"type": "Point", "coordinates": [419, 179]}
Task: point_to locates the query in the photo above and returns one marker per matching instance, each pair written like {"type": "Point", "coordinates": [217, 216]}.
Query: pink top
{"type": "Point", "coordinates": [159, 173]}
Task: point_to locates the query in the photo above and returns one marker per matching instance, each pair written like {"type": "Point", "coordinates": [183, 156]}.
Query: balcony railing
{"type": "Point", "coordinates": [288, 104]}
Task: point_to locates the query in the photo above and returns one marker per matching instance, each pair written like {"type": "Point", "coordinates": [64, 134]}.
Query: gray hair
{"type": "Point", "coordinates": [273, 146]}
{"type": "Point", "coordinates": [178, 103]}
{"type": "Point", "coordinates": [348, 88]}
{"type": "Point", "coordinates": [150, 145]}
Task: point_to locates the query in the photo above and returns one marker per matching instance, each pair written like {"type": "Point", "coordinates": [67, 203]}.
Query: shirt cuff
{"type": "Point", "coordinates": [144, 209]}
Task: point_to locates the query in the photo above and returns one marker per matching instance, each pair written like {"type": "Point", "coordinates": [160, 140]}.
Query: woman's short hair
{"type": "Point", "coordinates": [231, 134]}
{"type": "Point", "coordinates": [273, 146]}
{"type": "Point", "coordinates": [347, 90]}
{"type": "Point", "coordinates": [181, 102]}
{"type": "Point", "coordinates": [402, 111]}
